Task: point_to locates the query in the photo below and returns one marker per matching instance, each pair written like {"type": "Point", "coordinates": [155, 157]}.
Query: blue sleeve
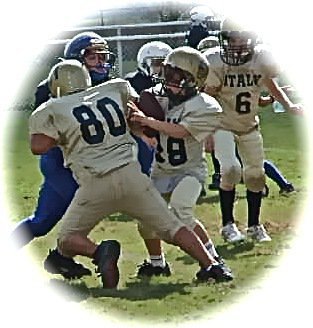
{"type": "Point", "coordinates": [42, 93]}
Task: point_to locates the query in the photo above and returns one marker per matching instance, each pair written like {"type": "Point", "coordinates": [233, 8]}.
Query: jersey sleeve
{"type": "Point", "coordinates": [41, 121]}
{"type": "Point", "coordinates": [214, 78]}
{"type": "Point", "coordinates": [202, 117]}
{"type": "Point", "coordinates": [131, 91]}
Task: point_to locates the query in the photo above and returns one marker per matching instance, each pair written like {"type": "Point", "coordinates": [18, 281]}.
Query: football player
{"type": "Point", "coordinates": [239, 71]}
{"type": "Point", "coordinates": [149, 59]}
{"type": "Point", "coordinates": [90, 125]}
{"type": "Point", "coordinates": [59, 186]}
{"type": "Point", "coordinates": [271, 170]}
{"type": "Point", "coordinates": [203, 23]}
{"type": "Point", "coordinates": [180, 168]}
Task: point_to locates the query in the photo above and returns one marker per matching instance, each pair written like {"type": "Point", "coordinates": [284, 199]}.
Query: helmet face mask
{"type": "Point", "coordinates": [236, 45]}
{"type": "Point", "coordinates": [179, 84]}
{"type": "Point", "coordinates": [68, 77]}
{"type": "Point", "coordinates": [178, 78]}
{"type": "Point", "coordinates": [186, 69]}
{"type": "Point", "coordinates": [86, 45]}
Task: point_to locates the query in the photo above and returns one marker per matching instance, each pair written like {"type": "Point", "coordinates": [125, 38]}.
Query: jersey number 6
{"type": "Point", "coordinates": [243, 106]}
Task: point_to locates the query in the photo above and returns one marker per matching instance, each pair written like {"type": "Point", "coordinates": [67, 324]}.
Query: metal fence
{"type": "Point", "coordinates": [125, 40]}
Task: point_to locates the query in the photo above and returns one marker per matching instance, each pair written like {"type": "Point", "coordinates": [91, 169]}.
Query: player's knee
{"type": "Point", "coordinates": [184, 214]}
{"type": "Point", "coordinates": [231, 174]}
{"type": "Point", "coordinates": [254, 180]}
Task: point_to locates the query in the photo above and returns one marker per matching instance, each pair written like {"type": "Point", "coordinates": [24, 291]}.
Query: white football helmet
{"type": "Point", "coordinates": [207, 43]}
{"type": "Point", "coordinates": [67, 77]}
{"type": "Point", "coordinates": [152, 54]}
{"type": "Point", "coordinates": [201, 15]}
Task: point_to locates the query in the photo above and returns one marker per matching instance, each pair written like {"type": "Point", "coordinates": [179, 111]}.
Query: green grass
{"type": "Point", "coordinates": [175, 298]}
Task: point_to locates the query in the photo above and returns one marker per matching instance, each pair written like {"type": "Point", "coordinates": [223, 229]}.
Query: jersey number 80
{"type": "Point", "coordinates": [87, 118]}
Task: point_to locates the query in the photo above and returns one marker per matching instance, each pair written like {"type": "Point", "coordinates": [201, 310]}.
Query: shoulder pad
{"type": "Point", "coordinates": [210, 103]}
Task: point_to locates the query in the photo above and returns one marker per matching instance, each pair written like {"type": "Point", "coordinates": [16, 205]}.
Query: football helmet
{"type": "Point", "coordinates": [184, 68]}
{"type": "Point", "coordinates": [151, 55]}
{"type": "Point", "coordinates": [207, 43]}
{"type": "Point", "coordinates": [204, 16]}
{"type": "Point", "coordinates": [67, 77]}
{"type": "Point", "coordinates": [236, 44]}
{"type": "Point", "coordinates": [89, 42]}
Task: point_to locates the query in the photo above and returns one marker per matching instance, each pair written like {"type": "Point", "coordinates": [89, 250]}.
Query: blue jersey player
{"type": "Point", "coordinates": [59, 186]}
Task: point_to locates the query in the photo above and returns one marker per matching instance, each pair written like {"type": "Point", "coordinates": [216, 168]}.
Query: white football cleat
{"type": "Point", "coordinates": [231, 234]}
{"type": "Point", "coordinates": [258, 233]}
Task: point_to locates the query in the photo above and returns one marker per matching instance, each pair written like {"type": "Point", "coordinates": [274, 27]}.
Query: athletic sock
{"type": "Point", "coordinates": [227, 199]}
{"type": "Point", "coordinates": [254, 200]}
{"type": "Point", "coordinates": [211, 249]}
{"type": "Point", "coordinates": [158, 260]}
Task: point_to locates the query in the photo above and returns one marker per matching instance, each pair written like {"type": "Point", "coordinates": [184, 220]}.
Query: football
{"type": "Point", "coordinates": [150, 106]}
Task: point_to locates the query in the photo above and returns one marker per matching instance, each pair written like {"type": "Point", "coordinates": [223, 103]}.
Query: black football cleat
{"type": "Point", "coordinates": [217, 272]}
{"type": "Point", "coordinates": [106, 258]}
{"type": "Point", "coordinates": [221, 261]}
{"type": "Point", "coordinates": [56, 263]}
{"type": "Point", "coordinates": [203, 193]}
{"type": "Point", "coordinates": [287, 189]}
{"type": "Point", "coordinates": [146, 269]}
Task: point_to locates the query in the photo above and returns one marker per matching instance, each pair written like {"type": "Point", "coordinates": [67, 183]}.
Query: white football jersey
{"type": "Point", "coordinates": [200, 115]}
{"type": "Point", "coordinates": [239, 87]}
{"type": "Point", "coordinates": [90, 127]}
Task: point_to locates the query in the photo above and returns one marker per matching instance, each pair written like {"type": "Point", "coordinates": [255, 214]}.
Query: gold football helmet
{"type": "Point", "coordinates": [186, 67]}
{"type": "Point", "coordinates": [67, 77]}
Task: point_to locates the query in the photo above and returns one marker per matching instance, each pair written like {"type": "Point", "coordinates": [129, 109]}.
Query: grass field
{"type": "Point", "coordinates": [175, 298]}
